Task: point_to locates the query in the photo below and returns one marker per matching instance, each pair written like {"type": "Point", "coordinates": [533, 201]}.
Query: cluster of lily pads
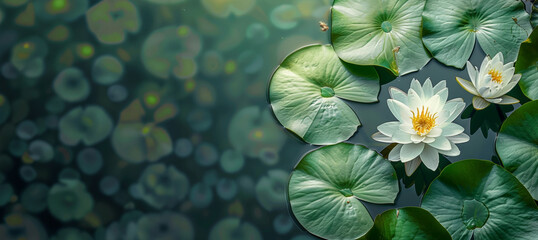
{"type": "Point", "coordinates": [469, 198]}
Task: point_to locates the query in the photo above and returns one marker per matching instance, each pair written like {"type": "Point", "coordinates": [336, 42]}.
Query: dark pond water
{"type": "Point", "coordinates": [151, 121]}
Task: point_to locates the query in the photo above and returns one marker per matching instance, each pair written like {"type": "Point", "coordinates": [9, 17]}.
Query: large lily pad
{"type": "Point", "coordinates": [406, 224]}
{"type": "Point", "coordinates": [307, 89]}
{"type": "Point", "coordinates": [527, 65]}
{"type": "Point", "coordinates": [326, 187]}
{"type": "Point", "coordinates": [517, 145]}
{"type": "Point", "coordinates": [477, 197]}
{"type": "Point", "coordinates": [386, 33]}
{"type": "Point", "coordinates": [452, 27]}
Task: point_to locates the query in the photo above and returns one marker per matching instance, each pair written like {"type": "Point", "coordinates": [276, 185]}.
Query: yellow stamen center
{"type": "Point", "coordinates": [423, 121]}
{"type": "Point", "coordinates": [495, 76]}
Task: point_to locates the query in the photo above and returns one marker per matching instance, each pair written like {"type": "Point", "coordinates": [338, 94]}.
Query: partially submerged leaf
{"type": "Point", "coordinates": [406, 224]}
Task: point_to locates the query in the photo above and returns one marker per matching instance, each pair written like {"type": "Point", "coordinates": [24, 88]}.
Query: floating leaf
{"type": "Point", "coordinates": [387, 33]}
{"type": "Point", "coordinates": [478, 198]}
{"type": "Point", "coordinates": [517, 145]}
{"type": "Point", "coordinates": [527, 65]}
{"type": "Point", "coordinates": [534, 16]}
{"type": "Point", "coordinates": [450, 28]}
{"type": "Point", "coordinates": [326, 187]}
{"type": "Point", "coordinates": [306, 94]}
{"type": "Point", "coordinates": [406, 223]}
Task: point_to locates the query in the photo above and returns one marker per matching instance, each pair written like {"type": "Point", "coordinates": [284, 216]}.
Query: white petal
{"type": "Point", "coordinates": [401, 137]}
{"type": "Point", "coordinates": [388, 128]}
{"type": "Point", "coordinates": [452, 129]}
{"type": "Point", "coordinates": [507, 100]}
{"type": "Point", "coordinates": [397, 94]}
{"type": "Point", "coordinates": [428, 140]}
{"type": "Point", "coordinates": [427, 88]}
{"type": "Point", "coordinates": [394, 154]}
{"type": "Point", "coordinates": [380, 137]}
{"type": "Point", "coordinates": [479, 103]}
{"type": "Point", "coordinates": [412, 166]}
{"type": "Point", "coordinates": [454, 151]}
{"type": "Point", "coordinates": [435, 132]}
{"type": "Point", "coordinates": [407, 128]}
{"type": "Point", "coordinates": [434, 105]}
{"type": "Point", "coordinates": [483, 84]}
{"type": "Point", "coordinates": [452, 110]}
{"type": "Point", "coordinates": [415, 85]}
{"type": "Point", "coordinates": [396, 107]}
{"type": "Point", "coordinates": [498, 58]}
{"type": "Point", "coordinates": [406, 115]}
{"type": "Point", "coordinates": [472, 71]}
{"type": "Point", "coordinates": [414, 100]}
{"type": "Point", "coordinates": [493, 100]}
{"type": "Point", "coordinates": [460, 138]}
{"type": "Point", "coordinates": [439, 86]}
{"type": "Point", "coordinates": [508, 66]}
{"type": "Point", "coordinates": [410, 151]}
{"type": "Point", "coordinates": [468, 86]}
{"type": "Point", "coordinates": [484, 63]}
{"type": "Point", "coordinates": [430, 158]}
{"type": "Point", "coordinates": [417, 138]}
{"type": "Point", "coordinates": [509, 86]}
{"type": "Point", "coordinates": [507, 75]}
{"type": "Point", "coordinates": [441, 143]}
{"type": "Point", "coordinates": [443, 96]}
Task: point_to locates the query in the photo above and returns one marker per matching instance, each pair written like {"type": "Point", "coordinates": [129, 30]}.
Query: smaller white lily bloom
{"type": "Point", "coordinates": [424, 127]}
{"type": "Point", "coordinates": [491, 83]}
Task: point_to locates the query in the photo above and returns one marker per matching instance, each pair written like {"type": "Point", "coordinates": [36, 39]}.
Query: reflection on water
{"type": "Point", "coordinates": [148, 119]}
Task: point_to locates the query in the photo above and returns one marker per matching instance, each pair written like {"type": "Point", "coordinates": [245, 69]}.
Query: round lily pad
{"type": "Point", "coordinates": [406, 223]}
{"type": "Point", "coordinates": [387, 33]}
{"type": "Point", "coordinates": [517, 145]}
{"type": "Point", "coordinates": [527, 65]}
{"type": "Point", "coordinates": [450, 28]}
{"type": "Point", "coordinates": [307, 92]}
{"type": "Point", "coordinates": [479, 198]}
{"type": "Point", "coordinates": [326, 187]}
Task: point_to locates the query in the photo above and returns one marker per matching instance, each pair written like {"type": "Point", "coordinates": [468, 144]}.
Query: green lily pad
{"type": "Point", "coordinates": [517, 145]}
{"type": "Point", "coordinates": [477, 197]}
{"type": "Point", "coordinates": [387, 34]}
{"type": "Point", "coordinates": [534, 16]}
{"type": "Point", "coordinates": [406, 223]}
{"type": "Point", "coordinates": [326, 187]}
{"type": "Point", "coordinates": [307, 89]}
{"type": "Point", "coordinates": [527, 65]}
{"type": "Point", "coordinates": [450, 28]}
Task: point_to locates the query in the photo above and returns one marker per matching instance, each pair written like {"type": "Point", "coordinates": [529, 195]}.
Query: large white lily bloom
{"type": "Point", "coordinates": [491, 84]}
{"type": "Point", "coordinates": [424, 127]}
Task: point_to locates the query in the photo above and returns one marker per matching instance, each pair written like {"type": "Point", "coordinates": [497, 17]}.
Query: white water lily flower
{"type": "Point", "coordinates": [491, 84]}
{"type": "Point", "coordinates": [424, 127]}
